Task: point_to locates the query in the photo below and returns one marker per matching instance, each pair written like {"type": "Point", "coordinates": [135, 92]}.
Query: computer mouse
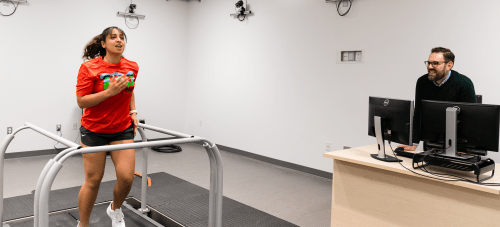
{"type": "Point", "coordinates": [399, 149]}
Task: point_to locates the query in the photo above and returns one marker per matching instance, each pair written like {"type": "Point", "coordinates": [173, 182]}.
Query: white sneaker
{"type": "Point", "coordinates": [116, 216]}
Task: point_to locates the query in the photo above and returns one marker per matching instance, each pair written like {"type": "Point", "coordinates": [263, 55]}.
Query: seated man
{"type": "Point", "coordinates": [440, 84]}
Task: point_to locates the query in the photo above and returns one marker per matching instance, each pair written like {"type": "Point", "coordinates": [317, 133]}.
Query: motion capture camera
{"type": "Point", "coordinates": [239, 4]}
{"type": "Point", "coordinates": [242, 10]}
{"type": "Point", "coordinates": [131, 8]}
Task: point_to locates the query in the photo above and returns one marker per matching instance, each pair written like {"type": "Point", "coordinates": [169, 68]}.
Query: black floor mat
{"type": "Point", "coordinates": [176, 198]}
{"type": "Point", "coordinates": [98, 217]}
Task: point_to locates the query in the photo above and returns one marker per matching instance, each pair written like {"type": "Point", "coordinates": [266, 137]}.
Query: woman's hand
{"type": "Point", "coordinates": [117, 84]}
{"type": "Point", "coordinates": [136, 122]}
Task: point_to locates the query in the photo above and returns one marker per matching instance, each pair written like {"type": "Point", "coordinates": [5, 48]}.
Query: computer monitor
{"type": "Point", "coordinates": [392, 120]}
{"type": "Point", "coordinates": [470, 128]}
{"type": "Point", "coordinates": [479, 98]}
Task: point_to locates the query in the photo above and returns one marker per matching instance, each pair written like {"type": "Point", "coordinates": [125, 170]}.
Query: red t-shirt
{"type": "Point", "coordinates": [113, 114]}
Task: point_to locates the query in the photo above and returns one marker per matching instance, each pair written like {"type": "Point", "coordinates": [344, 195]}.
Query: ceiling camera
{"type": "Point", "coordinates": [131, 8]}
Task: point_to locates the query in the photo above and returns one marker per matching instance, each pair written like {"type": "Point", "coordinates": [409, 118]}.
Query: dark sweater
{"type": "Point", "coordinates": [458, 88]}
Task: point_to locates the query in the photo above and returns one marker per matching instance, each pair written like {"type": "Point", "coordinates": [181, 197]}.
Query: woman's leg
{"type": "Point", "coordinates": [93, 165]}
{"type": "Point", "coordinates": [124, 161]}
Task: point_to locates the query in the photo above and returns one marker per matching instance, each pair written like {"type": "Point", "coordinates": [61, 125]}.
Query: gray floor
{"type": "Point", "coordinates": [299, 198]}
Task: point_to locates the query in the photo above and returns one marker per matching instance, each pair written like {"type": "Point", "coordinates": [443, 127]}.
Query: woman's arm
{"type": "Point", "coordinates": [134, 115]}
{"type": "Point", "coordinates": [92, 100]}
{"type": "Point", "coordinates": [115, 87]}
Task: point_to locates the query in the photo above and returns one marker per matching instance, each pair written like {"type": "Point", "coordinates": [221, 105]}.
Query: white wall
{"type": "Point", "coordinates": [40, 53]}
{"type": "Point", "coordinates": [270, 85]}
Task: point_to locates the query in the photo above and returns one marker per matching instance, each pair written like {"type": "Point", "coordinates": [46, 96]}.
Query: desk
{"type": "Point", "coordinates": [369, 192]}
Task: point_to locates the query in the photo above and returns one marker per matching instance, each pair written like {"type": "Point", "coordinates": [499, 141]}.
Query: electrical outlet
{"type": "Point", "coordinates": [328, 145]}
{"type": "Point", "coordinates": [58, 128]}
{"type": "Point", "coordinates": [200, 122]}
{"type": "Point", "coordinates": [9, 130]}
{"type": "Point", "coordinates": [75, 125]}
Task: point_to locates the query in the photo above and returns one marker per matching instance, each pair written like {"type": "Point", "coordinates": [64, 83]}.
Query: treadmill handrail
{"type": "Point", "coordinates": [52, 135]}
{"type": "Point", "coordinates": [215, 202]}
{"type": "Point", "coordinates": [161, 130]}
{"type": "Point", "coordinates": [54, 165]}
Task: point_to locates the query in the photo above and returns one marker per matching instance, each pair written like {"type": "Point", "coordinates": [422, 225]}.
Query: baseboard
{"type": "Point", "coordinates": [30, 153]}
{"type": "Point", "coordinates": [277, 162]}
{"type": "Point", "coordinates": [273, 161]}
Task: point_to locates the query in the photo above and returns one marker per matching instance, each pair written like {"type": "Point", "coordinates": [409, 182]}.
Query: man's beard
{"type": "Point", "coordinates": [439, 75]}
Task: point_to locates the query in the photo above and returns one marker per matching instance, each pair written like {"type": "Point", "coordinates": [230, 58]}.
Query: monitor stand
{"type": "Point", "coordinates": [451, 135]}
{"type": "Point", "coordinates": [381, 143]}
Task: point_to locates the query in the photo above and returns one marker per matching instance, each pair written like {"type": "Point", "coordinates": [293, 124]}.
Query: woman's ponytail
{"type": "Point", "coordinates": [94, 49]}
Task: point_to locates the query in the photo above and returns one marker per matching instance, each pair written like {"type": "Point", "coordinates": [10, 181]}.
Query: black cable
{"type": "Point", "coordinates": [442, 178]}
{"type": "Point", "coordinates": [461, 178]}
{"type": "Point", "coordinates": [15, 8]}
{"type": "Point", "coordinates": [414, 171]}
{"type": "Point", "coordinates": [167, 149]}
{"type": "Point", "coordinates": [57, 149]}
{"type": "Point", "coordinates": [242, 16]}
{"type": "Point", "coordinates": [127, 23]}
{"type": "Point", "coordinates": [444, 175]}
{"type": "Point", "coordinates": [338, 6]}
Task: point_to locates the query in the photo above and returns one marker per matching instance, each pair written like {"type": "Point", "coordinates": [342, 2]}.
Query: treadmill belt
{"type": "Point", "coordinates": [175, 198]}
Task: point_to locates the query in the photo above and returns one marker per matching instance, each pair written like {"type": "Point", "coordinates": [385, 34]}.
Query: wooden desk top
{"type": "Point", "coordinates": [361, 156]}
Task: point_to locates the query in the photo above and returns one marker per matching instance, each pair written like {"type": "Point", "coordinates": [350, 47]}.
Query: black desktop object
{"type": "Point", "coordinates": [390, 119]}
{"type": "Point", "coordinates": [463, 132]}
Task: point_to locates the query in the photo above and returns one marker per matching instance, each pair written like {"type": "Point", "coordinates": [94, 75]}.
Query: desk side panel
{"type": "Point", "coordinates": [367, 196]}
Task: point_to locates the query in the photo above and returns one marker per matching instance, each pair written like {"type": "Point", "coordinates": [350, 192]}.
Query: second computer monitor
{"type": "Point", "coordinates": [477, 125]}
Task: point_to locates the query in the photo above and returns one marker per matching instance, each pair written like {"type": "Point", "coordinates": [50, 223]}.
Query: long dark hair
{"type": "Point", "coordinates": [94, 49]}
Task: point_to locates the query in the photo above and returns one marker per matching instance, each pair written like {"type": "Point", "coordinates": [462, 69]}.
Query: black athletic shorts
{"type": "Point", "coordinates": [93, 139]}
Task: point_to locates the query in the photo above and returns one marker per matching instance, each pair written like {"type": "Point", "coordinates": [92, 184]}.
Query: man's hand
{"type": "Point", "coordinates": [117, 84]}
{"type": "Point", "coordinates": [409, 148]}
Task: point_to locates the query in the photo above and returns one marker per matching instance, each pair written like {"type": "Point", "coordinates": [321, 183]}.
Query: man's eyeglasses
{"type": "Point", "coordinates": [433, 63]}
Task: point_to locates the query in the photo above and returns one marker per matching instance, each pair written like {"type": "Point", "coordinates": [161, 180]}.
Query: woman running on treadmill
{"type": "Point", "coordinates": [105, 89]}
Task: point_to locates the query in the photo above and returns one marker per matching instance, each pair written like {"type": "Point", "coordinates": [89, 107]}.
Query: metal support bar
{"type": "Point", "coordinates": [169, 132]}
{"type": "Point", "coordinates": [39, 185]}
{"type": "Point", "coordinates": [144, 187]}
{"type": "Point", "coordinates": [213, 178]}
{"type": "Point", "coordinates": [43, 204]}
{"type": "Point", "coordinates": [451, 132]}
{"type": "Point", "coordinates": [4, 146]}
{"type": "Point", "coordinates": [131, 14]}
{"type": "Point", "coordinates": [3, 149]}
{"type": "Point", "coordinates": [218, 187]}
{"type": "Point", "coordinates": [36, 202]}
{"type": "Point", "coordinates": [52, 135]}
